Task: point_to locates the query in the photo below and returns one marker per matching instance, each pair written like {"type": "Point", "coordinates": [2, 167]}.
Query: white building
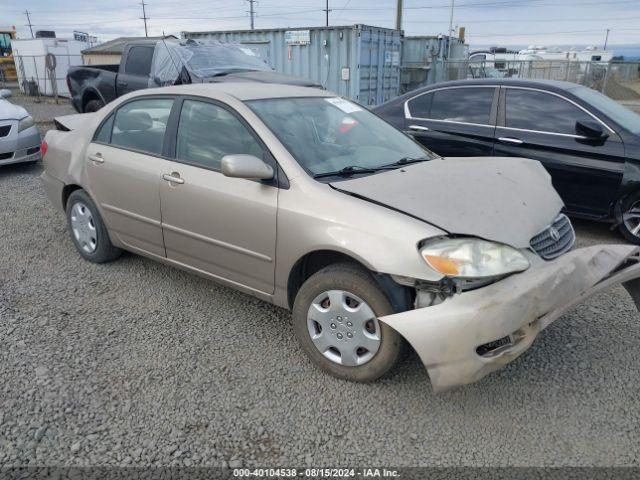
{"type": "Point", "coordinates": [30, 59]}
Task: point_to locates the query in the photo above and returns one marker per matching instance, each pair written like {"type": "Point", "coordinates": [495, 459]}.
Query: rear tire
{"type": "Point", "coordinates": [93, 106]}
{"type": "Point", "coordinates": [372, 347]}
{"type": "Point", "coordinates": [88, 231]}
{"type": "Point", "coordinates": [628, 217]}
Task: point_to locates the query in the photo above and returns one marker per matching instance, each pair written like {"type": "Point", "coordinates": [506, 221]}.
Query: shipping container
{"type": "Point", "coordinates": [359, 62]}
{"type": "Point", "coordinates": [30, 59]}
{"type": "Point", "coordinates": [423, 58]}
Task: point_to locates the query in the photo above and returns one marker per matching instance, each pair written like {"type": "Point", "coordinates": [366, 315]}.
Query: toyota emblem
{"type": "Point", "coordinates": [554, 234]}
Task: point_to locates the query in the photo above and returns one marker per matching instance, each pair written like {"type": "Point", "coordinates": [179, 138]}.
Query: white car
{"type": "Point", "coordinates": [19, 136]}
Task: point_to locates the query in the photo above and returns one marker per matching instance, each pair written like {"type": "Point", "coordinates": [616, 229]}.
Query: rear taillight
{"type": "Point", "coordinates": [43, 148]}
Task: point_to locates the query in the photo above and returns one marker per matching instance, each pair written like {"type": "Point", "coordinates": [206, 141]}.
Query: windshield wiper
{"type": "Point", "coordinates": [404, 161]}
{"type": "Point", "coordinates": [346, 171]}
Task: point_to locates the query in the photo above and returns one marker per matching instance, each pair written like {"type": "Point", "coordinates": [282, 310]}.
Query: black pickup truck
{"type": "Point", "coordinates": [156, 63]}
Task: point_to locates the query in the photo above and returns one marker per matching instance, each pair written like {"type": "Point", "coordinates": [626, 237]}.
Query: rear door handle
{"type": "Point", "coordinates": [173, 177]}
{"type": "Point", "coordinates": [97, 158]}
{"type": "Point", "coordinates": [122, 84]}
{"type": "Point", "coordinates": [513, 141]}
{"type": "Point", "coordinates": [418, 128]}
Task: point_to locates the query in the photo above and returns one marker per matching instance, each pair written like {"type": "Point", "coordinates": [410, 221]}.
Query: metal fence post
{"type": "Point", "coordinates": [606, 78]}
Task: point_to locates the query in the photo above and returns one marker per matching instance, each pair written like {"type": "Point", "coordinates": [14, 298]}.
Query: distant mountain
{"type": "Point", "coordinates": [629, 51]}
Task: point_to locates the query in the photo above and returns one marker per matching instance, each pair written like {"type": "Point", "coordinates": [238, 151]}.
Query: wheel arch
{"type": "Point", "coordinates": [67, 190]}
{"type": "Point", "coordinates": [91, 94]}
{"type": "Point", "coordinates": [401, 297]}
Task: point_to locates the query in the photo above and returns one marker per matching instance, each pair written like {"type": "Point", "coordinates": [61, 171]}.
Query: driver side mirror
{"type": "Point", "coordinates": [5, 93]}
{"type": "Point", "coordinates": [591, 131]}
{"type": "Point", "coordinates": [246, 166]}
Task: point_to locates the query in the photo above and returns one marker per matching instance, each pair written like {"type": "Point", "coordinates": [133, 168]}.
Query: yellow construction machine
{"type": "Point", "coordinates": [7, 65]}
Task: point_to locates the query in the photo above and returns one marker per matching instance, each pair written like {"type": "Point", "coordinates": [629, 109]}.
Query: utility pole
{"type": "Point", "coordinates": [144, 17]}
{"type": "Point", "coordinates": [326, 12]}
{"type": "Point", "coordinates": [26, 12]}
{"type": "Point", "coordinates": [399, 15]}
{"type": "Point", "coordinates": [251, 11]}
{"type": "Point", "coordinates": [450, 31]}
{"type": "Point", "coordinates": [606, 39]}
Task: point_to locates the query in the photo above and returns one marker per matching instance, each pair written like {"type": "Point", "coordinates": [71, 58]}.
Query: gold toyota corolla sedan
{"type": "Point", "coordinates": [307, 200]}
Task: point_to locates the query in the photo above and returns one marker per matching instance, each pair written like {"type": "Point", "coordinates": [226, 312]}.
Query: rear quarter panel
{"type": "Point", "coordinates": [94, 80]}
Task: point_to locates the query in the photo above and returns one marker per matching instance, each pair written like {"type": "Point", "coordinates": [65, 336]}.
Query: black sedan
{"type": "Point", "coordinates": [589, 143]}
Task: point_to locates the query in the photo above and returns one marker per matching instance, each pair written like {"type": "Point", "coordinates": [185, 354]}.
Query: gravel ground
{"type": "Point", "coordinates": [136, 363]}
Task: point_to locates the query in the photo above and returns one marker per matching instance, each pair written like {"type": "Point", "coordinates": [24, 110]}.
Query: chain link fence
{"type": "Point", "coordinates": [618, 80]}
{"type": "Point", "coordinates": [42, 76]}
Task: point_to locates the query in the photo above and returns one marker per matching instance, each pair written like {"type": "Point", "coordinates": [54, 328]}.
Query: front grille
{"type": "Point", "coordinates": [4, 130]}
{"type": "Point", "coordinates": [554, 240]}
{"type": "Point", "coordinates": [6, 156]}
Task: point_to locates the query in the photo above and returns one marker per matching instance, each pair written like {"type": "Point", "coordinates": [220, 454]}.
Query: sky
{"type": "Point", "coordinates": [487, 22]}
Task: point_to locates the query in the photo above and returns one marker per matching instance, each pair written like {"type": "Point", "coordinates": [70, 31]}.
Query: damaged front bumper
{"type": "Point", "coordinates": [471, 334]}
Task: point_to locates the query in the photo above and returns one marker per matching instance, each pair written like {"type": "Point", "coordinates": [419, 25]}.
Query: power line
{"type": "Point", "coordinates": [144, 17]}
{"type": "Point", "coordinates": [510, 20]}
{"type": "Point", "coordinates": [26, 12]}
{"type": "Point", "coordinates": [520, 34]}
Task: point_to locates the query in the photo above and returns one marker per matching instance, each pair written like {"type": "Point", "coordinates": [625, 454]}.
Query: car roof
{"type": "Point", "coordinates": [520, 82]}
{"type": "Point", "coordinates": [243, 90]}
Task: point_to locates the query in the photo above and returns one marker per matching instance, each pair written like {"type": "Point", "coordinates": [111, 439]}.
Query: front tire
{"type": "Point", "coordinates": [628, 213]}
{"type": "Point", "coordinates": [88, 232]}
{"type": "Point", "coordinates": [335, 319]}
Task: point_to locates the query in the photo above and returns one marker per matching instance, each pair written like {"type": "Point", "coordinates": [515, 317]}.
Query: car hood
{"type": "Point", "coordinates": [265, 76]}
{"type": "Point", "coordinates": [507, 200]}
{"type": "Point", "coordinates": [9, 111]}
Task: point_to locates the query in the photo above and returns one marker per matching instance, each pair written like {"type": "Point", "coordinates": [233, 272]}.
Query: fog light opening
{"type": "Point", "coordinates": [495, 347]}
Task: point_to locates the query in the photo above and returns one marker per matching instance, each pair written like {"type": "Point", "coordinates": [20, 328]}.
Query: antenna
{"type": "Point", "coordinates": [144, 17]}
{"type": "Point", "coordinates": [26, 12]}
{"type": "Point", "coordinates": [171, 57]}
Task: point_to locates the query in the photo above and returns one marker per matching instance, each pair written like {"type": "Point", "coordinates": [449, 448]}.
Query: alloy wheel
{"type": "Point", "coordinates": [631, 219]}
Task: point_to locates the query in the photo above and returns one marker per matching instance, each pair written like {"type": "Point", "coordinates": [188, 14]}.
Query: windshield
{"type": "Point", "coordinates": [202, 60]}
{"type": "Point", "coordinates": [620, 114]}
{"type": "Point", "coordinates": [330, 134]}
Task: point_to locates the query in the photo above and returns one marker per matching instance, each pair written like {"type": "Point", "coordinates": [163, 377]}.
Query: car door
{"type": "Point", "coordinates": [224, 227]}
{"type": "Point", "coordinates": [454, 121]}
{"type": "Point", "coordinates": [124, 166]}
{"type": "Point", "coordinates": [541, 125]}
{"type": "Point", "coordinates": [135, 70]}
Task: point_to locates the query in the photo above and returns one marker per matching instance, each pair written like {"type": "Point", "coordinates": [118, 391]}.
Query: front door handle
{"type": "Point", "coordinates": [514, 141]}
{"type": "Point", "coordinates": [418, 128]}
{"type": "Point", "coordinates": [97, 158]}
{"type": "Point", "coordinates": [122, 84]}
{"type": "Point", "coordinates": [173, 177]}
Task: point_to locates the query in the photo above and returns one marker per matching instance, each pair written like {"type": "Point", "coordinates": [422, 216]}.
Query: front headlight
{"type": "Point", "coordinates": [472, 258]}
{"type": "Point", "coordinates": [25, 123]}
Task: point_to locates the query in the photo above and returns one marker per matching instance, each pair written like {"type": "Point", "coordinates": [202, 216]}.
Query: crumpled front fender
{"type": "Point", "coordinates": [514, 310]}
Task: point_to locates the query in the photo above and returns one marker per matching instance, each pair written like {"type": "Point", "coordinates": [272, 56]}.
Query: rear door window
{"type": "Point", "coordinates": [420, 106]}
{"type": "Point", "coordinates": [140, 125]}
{"type": "Point", "coordinates": [542, 112]}
{"type": "Point", "coordinates": [139, 61]}
{"type": "Point", "coordinates": [103, 135]}
{"type": "Point", "coordinates": [467, 105]}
